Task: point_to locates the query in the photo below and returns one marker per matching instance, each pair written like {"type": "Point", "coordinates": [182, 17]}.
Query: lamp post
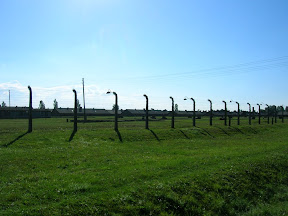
{"type": "Point", "coordinates": [75, 110]}
{"type": "Point", "coordinates": [211, 112]}
{"type": "Point", "coordinates": [116, 110]}
{"type": "Point", "coordinates": [30, 110]}
{"type": "Point", "coordinates": [238, 112]}
{"type": "Point", "coordinates": [225, 120]}
{"type": "Point", "coordinates": [172, 123]}
{"type": "Point", "coordinates": [259, 120]}
{"type": "Point", "coordinates": [268, 117]}
{"type": "Point", "coordinates": [194, 112]}
{"type": "Point", "coordinates": [146, 111]}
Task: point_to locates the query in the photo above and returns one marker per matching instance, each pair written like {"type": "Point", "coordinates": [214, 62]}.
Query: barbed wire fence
{"type": "Point", "coordinates": [17, 94]}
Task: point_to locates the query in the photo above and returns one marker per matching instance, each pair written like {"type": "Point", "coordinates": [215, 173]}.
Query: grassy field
{"type": "Point", "coordinates": [203, 170]}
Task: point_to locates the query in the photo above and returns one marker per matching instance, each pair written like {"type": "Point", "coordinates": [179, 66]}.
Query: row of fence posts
{"type": "Point", "coordinates": [172, 113]}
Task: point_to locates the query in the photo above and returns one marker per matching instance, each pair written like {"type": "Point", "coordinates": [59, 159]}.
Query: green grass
{"type": "Point", "coordinates": [203, 170]}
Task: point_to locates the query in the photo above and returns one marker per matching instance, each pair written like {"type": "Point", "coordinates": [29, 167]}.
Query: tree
{"type": "Point", "coordinates": [78, 104]}
{"type": "Point", "coordinates": [3, 104]}
{"type": "Point", "coordinates": [41, 105]}
{"type": "Point", "coordinates": [113, 108]}
{"type": "Point", "coordinates": [176, 107]}
{"type": "Point", "coordinates": [55, 104]}
{"type": "Point", "coordinates": [272, 110]}
{"type": "Point", "coordinates": [279, 108]}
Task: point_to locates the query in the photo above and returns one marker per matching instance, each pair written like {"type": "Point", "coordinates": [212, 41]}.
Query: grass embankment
{"type": "Point", "coordinates": [204, 170]}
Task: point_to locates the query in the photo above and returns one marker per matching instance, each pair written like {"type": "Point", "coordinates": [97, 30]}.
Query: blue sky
{"type": "Point", "coordinates": [221, 50]}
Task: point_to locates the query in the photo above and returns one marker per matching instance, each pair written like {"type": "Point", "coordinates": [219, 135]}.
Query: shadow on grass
{"type": "Point", "coordinates": [207, 132]}
{"type": "Point", "coordinates": [119, 135]}
{"type": "Point", "coordinates": [238, 130]}
{"type": "Point", "coordinates": [72, 135]}
{"type": "Point", "coordinates": [225, 132]}
{"type": "Point", "coordinates": [253, 130]}
{"type": "Point", "coordinates": [184, 134]}
{"type": "Point", "coordinates": [19, 137]}
{"type": "Point", "coordinates": [154, 134]}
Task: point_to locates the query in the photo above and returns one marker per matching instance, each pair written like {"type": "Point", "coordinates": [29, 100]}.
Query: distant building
{"type": "Point", "coordinates": [142, 112]}
{"type": "Point", "coordinates": [22, 112]}
{"type": "Point", "coordinates": [64, 112]}
{"type": "Point", "coordinates": [188, 114]}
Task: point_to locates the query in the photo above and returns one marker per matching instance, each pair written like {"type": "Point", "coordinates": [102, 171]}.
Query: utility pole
{"type": "Point", "coordinates": [194, 112]}
{"type": "Point", "coordinates": [259, 119]}
{"type": "Point", "coordinates": [9, 98]}
{"type": "Point", "coordinates": [275, 114]}
{"type": "Point", "coordinates": [282, 114]}
{"type": "Point", "coordinates": [211, 112]}
{"type": "Point", "coordinates": [238, 120]}
{"type": "Point", "coordinates": [268, 119]}
{"type": "Point", "coordinates": [116, 110]}
{"type": "Point", "coordinates": [85, 117]}
{"type": "Point", "coordinates": [238, 112]}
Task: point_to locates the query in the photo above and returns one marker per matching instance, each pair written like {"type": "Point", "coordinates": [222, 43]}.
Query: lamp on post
{"type": "Point", "coordinates": [146, 111]}
{"type": "Point", "coordinates": [116, 110]}
{"type": "Point", "coordinates": [268, 117]}
{"type": "Point", "coordinates": [172, 123]}
{"type": "Point", "coordinates": [194, 112]}
{"type": "Point", "coordinates": [75, 110]}
{"type": "Point", "coordinates": [259, 120]}
{"type": "Point", "coordinates": [238, 112]}
{"type": "Point", "coordinates": [211, 112]}
{"type": "Point", "coordinates": [30, 110]}
{"type": "Point", "coordinates": [249, 113]}
{"type": "Point", "coordinates": [225, 119]}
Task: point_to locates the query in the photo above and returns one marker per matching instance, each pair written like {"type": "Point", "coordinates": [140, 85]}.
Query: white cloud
{"type": "Point", "coordinates": [95, 97]}
{"type": "Point", "coordinates": [15, 85]}
{"type": "Point", "coordinates": [63, 94]}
